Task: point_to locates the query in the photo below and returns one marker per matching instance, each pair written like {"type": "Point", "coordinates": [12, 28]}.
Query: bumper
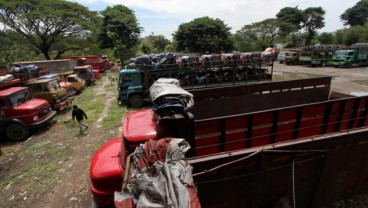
{"type": "Point", "coordinates": [62, 105]}
{"type": "Point", "coordinates": [43, 122]}
{"type": "Point", "coordinates": [102, 198]}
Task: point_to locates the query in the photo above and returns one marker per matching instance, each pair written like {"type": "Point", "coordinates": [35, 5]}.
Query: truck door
{"type": "Point", "coordinates": [125, 81]}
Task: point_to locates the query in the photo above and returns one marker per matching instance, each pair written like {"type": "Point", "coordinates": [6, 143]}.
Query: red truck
{"type": "Point", "coordinates": [20, 112]}
{"type": "Point", "coordinates": [241, 133]}
{"type": "Point", "coordinates": [98, 62]}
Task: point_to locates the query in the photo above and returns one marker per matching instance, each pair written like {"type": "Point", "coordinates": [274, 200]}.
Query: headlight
{"type": "Point", "coordinates": [35, 118]}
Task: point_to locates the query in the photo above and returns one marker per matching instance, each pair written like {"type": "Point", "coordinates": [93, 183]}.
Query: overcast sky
{"type": "Point", "coordinates": [162, 17]}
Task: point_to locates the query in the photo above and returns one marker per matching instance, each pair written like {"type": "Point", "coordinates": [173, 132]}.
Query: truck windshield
{"type": "Point", "coordinates": [53, 86]}
{"type": "Point", "coordinates": [19, 97]}
{"type": "Point", "coordinates": [74, 79]}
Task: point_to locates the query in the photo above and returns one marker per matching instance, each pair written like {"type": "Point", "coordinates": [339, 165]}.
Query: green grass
{"type": "Point", "coordinates": [115, 116]}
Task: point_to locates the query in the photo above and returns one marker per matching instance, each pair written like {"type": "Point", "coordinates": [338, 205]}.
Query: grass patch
{"type": "Point", "coordinates": [36, 167]}
{"type": "Point", "coordinates": [91, 103]}
{"type": "Point", "coordinates": [114, 116]}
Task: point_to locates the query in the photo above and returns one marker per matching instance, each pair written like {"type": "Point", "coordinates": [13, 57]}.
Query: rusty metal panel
{"type": "Point", "coordinates": [217, 102]}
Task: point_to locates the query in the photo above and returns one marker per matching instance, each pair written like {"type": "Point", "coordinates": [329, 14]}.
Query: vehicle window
{"type": "Point", "coordinates": [19, 97]}
{"type": "Point", "coordinates": [125, 78]}
{"type": "Point", "coordinates": [351, 53]}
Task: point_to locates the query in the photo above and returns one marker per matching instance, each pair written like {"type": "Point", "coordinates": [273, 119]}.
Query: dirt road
{"type": "Point", "coordinates": [67, 184]}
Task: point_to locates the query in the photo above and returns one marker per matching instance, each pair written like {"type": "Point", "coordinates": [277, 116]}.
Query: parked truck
{"type": "Point", "coordinates": [133, 84]}
{"type": "Point", "coordinates": [69, 76]}
{"type": "Point", "coordinates": [20, 112]}
{"type": "Point", "coordinates": [85, 73]}
{"type": "Point", "coordinates": [98, 62]}
{"type": "Point", "coordinates": [321, 54]}
{"type": "Point", "coordinates": [50, 65]}
{"type": "Point", "coordinates": [223, 122]}
{"type": "Point", "coordinates": [49, 89]}
{"type": "Point", "coordinates": [355, 55]}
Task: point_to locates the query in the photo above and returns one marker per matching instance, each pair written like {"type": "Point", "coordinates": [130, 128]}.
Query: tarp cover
{"type": "Point", "coordinates": [169, 87]}
{"type": "Point", "coordinates": [159, 176]}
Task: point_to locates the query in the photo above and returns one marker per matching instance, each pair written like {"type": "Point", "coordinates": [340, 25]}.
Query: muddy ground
{"type": "Point", "coordinates": [67, 184]}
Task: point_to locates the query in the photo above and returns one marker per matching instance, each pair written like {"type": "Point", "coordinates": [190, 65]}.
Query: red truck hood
{"type": "Point", "coordinates": [33, 104]}
{"type": "Point", "coordinates": [141, 129]}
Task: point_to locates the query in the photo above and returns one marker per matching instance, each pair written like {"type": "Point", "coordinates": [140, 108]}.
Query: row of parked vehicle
{"type": "Point", "coordinates": [31, 99]}
{"type": "Point", "coordinates": [323, 55]}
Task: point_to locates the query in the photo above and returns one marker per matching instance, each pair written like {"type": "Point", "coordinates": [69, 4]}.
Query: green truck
{"type": "Point", "coordinates": [356, 55]}
{"type": "Point", "coordinates": [322, 54]}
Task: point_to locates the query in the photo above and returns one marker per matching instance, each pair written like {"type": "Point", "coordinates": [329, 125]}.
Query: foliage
{"type": "Point", "coordinates": [203, 34]}
{"type": "Point", "coordinates": [169, 48]}
{"type": "Point", "coordinates": [295, 40]}
{"type": "Point", "coordinates": [290, 19]}
{"type": "Point", "coordinates": [13, 49]}
{"type": "Point", "coordinates": [49, 25]}
{"type": "Point", "coordinates": [356, 15]}
{"type": "Point", "coordinates": [312, 21]}
{"type": "Point", "coordinates": [120, 31]}
{"type": "Point", "coordinates": [355, 34]}
{"type": "Point", "coordinates": [325, 38]}
{"type": "Point", "coordinates": [261, 33]}
{"type": "Point", "coordinates": [159, 42]}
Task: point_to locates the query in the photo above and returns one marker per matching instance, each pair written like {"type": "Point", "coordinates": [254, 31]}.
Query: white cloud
{"type": "Point", "coordinates": [235, 13]}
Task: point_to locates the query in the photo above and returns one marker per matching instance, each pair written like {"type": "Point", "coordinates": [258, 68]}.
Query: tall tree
{"type": "Point", "coordinates": [48, 24]}
{"type": "Point", "coordinates": [356, 15]}
{"type": "Point", "coordinates": [120, 31]}
{"type": "Point", "coordinates": [312, 21]}
{"type": "Point", "coordinates": [261, 33]}
{"type": "Point", "coordinates": [203, 34]}
{"type": "Point", "coordinates": [290, 19]}
{"type": "Point", "coordinates": [326, 38]}
{"type": "Point", "coordinates": [159, 42]}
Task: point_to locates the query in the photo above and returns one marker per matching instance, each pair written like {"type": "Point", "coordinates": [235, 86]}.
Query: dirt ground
{"type": "Point", "coordinates": [72, 185]}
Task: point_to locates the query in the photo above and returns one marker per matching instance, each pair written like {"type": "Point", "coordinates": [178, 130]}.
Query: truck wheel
{"type": "Point", "coordinates": [136, 101]}
{"type": "Point", "coordinates": [348, 65]}
{"type": "Point", "coordinates": [16, 132]}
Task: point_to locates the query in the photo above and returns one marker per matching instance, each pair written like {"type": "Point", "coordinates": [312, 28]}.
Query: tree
{"type": "Point", "coordinates": [357, 15]}
{"type": "Point", "coordinates": [290, 19]}
{"type": "Point", "coordinates": [325, 38]}
{"type": "Point", "coordinates": [120, 31]}
{"type": "Point", "coordinates": [159, 42]}
{"type": "Point", "coordinates": [13, 49]}
{"type": "Point", "coordinates": [312, 21]}
{"type": "Point", "coordinates": [49, 24]}
{"type": "Point", "coordinates": [261, 33]}
{"type": "Point", "coordinates": [203, 34]}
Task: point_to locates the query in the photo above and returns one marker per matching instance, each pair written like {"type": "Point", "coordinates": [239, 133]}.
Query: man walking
{"type": "Point", "coordinates": [79, 114]}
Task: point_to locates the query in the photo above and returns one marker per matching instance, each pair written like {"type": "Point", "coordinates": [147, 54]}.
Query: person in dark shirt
{"type": "Point", "coordinates": [79, 114]}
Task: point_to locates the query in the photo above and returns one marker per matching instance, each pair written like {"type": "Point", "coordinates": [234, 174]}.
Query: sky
{"type": "Point", "coordinates": [163, 17]}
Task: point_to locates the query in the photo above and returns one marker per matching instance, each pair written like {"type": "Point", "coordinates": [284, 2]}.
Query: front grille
{"type": "Point", "coordinates": [43, 113]}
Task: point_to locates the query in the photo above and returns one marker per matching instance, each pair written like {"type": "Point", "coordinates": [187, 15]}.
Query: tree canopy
{"type": "Point", "coordinates": [312, 21]}
{"type": "Point", "coordinates": [120, 31]}
{"type": "Point", "coordinates": [49, 24]}
{"type": "Point", "coordinates": [356, 15]}
{"type": "Point", "coordinates": [203, 34]}
{"type": "Point", "coordinates": [290, 19]}
{"type": "Point", "coordinates": [261, 33]}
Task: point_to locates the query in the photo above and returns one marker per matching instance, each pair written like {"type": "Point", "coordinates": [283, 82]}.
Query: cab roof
{"type": "Point", "coordinates": [9, 91]}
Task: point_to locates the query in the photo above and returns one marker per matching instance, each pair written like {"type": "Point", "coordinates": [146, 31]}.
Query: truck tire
{"type": "Point", "coordinates": [16, 132]}
{"type": "Point", "coordinates": [136, 101]}
{"type": "Point", "coordinates": [348, 65]}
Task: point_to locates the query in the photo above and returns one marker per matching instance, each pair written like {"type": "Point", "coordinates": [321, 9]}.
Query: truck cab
{"type": "Point", "coordinates": [64, 84]}
{"type": "Point", "coordinates": [50, 90]}
{"type": "Point", "coordinates": [131, 87]}
{"type": "Point", "coordinates": [85, 73]}
{"type": "Point", "coordinates": [291, 57]}
{"type": "Point", "coordinates": [344, 57]}
{"type": "Point", "coordinates": [78, 84]}
{"type": "Point", "coordinates": [20, 112]}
